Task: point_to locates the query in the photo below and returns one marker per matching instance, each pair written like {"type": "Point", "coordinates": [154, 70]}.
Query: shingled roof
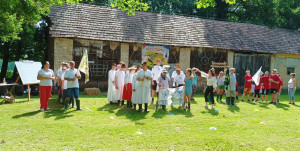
{"type": "Point", "coordinates": [105, 23]}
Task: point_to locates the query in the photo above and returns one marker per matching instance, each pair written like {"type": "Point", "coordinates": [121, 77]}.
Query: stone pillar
{"type": "Point", "coordinates": [184, 58]}
{"type": "Point", "coordinates": [125, 53]}
{"type": "Point", "coordinates": [230, 58]}
{"type": "Point", "coordinates": [273, 61]}
{"type": "Point", "coordinates": [63, 51]}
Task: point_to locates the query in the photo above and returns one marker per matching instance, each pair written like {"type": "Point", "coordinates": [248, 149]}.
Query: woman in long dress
{"type": "Point", "coordinates": [143, 89]}
{"type": "Point", "coordinates": [111, 92]}
{"type": "Point", "coordinates": [134, 87]}
{"type": "Point", "coordinates": [119, 79]}
{"type": "Point", "coordinates": [163, 83]}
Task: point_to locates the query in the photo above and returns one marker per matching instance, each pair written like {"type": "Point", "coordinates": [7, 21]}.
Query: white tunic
{"type": "Point", "coordinates": [111, 92]}
{"type": "Point", "coordinates": [71, 75]}
{"type": "Point", "coordinates": [143, 89]}
{"type": "Point", "coordinates": [156, 71]}
{"type": "Point", "coordinates": [120, 75]}
{"type": "Point", "coordinates": [174, 74]}
{"type": "Point", "coordinates": [134, 87]}
{"type": "Point", "coordinates": [179, 79]}
{"type": "Point", "coordinates": [128, 78]}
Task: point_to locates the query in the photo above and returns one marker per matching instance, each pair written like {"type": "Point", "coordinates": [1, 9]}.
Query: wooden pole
{"type": "Point", "coordinates": [28, 87]}
{"type": "Point", "coordinates": [12, 89]}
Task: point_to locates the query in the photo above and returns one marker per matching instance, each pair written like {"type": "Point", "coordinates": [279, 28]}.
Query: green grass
{"type": "Point", "coordinates": [109, 127]}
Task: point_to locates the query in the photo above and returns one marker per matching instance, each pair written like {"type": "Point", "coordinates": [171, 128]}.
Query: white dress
{"type": "Point", "coordinates": [134, 86]}
{"type": "Point", "coordinates": [120, 75]}
{"type": "Point", "coordinates": [143, 89]}
{"type": "Point", "coordinates": [111, 92]}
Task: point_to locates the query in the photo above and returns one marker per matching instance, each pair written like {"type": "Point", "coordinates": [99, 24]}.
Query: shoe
{"type": "Point", "coordinates": [205, 105]}
{"type": "Point", "coordinates": [249, 101]}
{"type": "Point", "coordinates": [277, 102]}
{"type": "Point", "coordinates": [293, 103]}
{"type": "Point", "coordinates": [47, 108]}
{"type": "Point", "coordinates": [252, 100]}
{"type": "Point", "coordinates": [274, 103]}
{"type": "Point", "coordinates": [42, 110]}
{"type": "Point", "coordinates": [258, 101]}
{"type": "Point", "coordinates": [290, 103]}
{"type": "Point", "coordinates": [179, 107]}
{"type": "Point", "coordinates": [271, 103]}
{"type": "Point", "coordinates": [211, 107]}
{"type": "Point", "coordinates": [242, 100]}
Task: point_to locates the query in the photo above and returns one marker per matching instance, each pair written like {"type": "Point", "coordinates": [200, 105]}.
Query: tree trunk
{"type": "Point", "coordinates": [5, 62]}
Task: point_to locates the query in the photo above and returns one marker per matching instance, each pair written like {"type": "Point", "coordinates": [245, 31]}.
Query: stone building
{"type": "Point", "coordinates": [110, 35]}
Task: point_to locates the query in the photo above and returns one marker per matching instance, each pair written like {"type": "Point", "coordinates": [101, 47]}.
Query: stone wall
{"type": "Point", "coordinates": [282, 62]}
{"type": "Point", "coordinates": [63, 48]}
{"type": "Point", "coordinates": [184, 58]}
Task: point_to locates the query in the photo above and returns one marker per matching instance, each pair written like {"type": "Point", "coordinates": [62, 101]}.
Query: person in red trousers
{"type": "Point", "coordinates": [45, 76]}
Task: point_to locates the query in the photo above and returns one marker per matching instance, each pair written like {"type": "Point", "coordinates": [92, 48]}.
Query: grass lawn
{"type": "Point", "coordinates": [109, 127]}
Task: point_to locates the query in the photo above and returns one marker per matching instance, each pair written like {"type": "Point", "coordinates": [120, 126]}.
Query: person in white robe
{"type": "Point", "coordinates": [111, 91]}
{"type": "Point", "coordinates": [119, 83]}
{"type": "Point", "coordinates": [143, 90]}
{"type": "Point", "coordinates": [174, 74]}
{"type": "Point", "coordinates": [134, 87]}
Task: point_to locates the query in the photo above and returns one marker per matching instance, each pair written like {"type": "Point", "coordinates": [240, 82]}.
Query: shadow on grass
{"type": "Point", "coordinates": [233, 109]}
{"type": "Point", "coordinates": [283, 106]}
{"type": "Point", "coordinates": [178, 111]}
{"type": "Point", "coordinates": [131, 114]}
{"type": "Point", "coordinates": [194, 102]}
{"type": "Point", "coordinates": [264, 105]}
{"type": "Point", "coordinates": [160, 113]}
{"type": "Point", "coordinates": [32, 113]}
{"type": "Point", "coordinates": [210, 111]}
{"type": "Point", "coordinates": [109, 108]}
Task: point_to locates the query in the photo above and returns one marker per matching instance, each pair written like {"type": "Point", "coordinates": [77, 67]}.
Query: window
{"type": "Point", "coordinates": [290, 70]}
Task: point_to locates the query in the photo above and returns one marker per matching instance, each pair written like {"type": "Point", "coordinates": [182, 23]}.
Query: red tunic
{"type": "Point", "coordinates": [266, 82]}
{"type": "Point", "coordinates": [127, 94]}
{"type": "Point", "coordinates": [274, 78]}
{"type": "Point", "coordinates": [257, 87]}
{"type": "Point", "coordinates": [248, 84]}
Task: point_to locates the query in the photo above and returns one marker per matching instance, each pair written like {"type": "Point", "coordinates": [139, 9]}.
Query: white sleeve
{"type": "Point", "coordinates": [66, 74]}
{"type": "Point", "coordinates": [126, 78]}
{"type": "Point", "coordinates": [111, 75]}
{"type": "Point", "coordinates": [40, 72]}
{"type": "Point", "coordinates": [203, 74]}
{"type": "Point", "coordinates": [78, 72]}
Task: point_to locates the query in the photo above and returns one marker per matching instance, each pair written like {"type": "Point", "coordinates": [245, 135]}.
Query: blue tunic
{"type": "Point", "coordinates": [188, 86]}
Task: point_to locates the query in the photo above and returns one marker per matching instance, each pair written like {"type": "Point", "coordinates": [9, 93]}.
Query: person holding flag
{"type": "Point", "coordinates": [247, 86]}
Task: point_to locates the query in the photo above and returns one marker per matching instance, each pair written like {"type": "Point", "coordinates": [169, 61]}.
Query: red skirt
{"type": "Point", "coordinates": [127, 94]}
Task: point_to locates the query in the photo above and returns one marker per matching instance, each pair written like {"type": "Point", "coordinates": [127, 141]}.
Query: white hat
{"type": "Point", "coordinates": [166, 66]}
{"type": "Point", "coordinates": [164, 70]}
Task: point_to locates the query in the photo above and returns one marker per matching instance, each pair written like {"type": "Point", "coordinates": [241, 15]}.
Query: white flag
{"type": "Point", "coordinates": [84, 66]}
{"type": "Point", "coordinates": [256, 77]}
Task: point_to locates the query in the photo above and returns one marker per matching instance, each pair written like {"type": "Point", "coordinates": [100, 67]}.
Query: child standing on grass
{"type": "Point", "coordinates": [164, 83]}
{"type": "Point", "coordinates": [231, 89]}
{"type": "Point", "coordinates": [247, 86]}
{"type": "Point", "coordinates": [274, 82]}
{"type": "Point", "coordinates": [292, 88]}
{"type": "Point", "coordinates": [127, 91]}
{"type": "Point", "coordinates": [119, 83]}
{"type": "Point", "coordinates": [257, 91]}
{"type": "Point", "coordinates": [220, 83]}
{"type": "Point", "coordinates": [265, 85]}
{"type": "Point", "coordinates": [188, 88]}
{"type": "Point", "coordinates": [194, 83]}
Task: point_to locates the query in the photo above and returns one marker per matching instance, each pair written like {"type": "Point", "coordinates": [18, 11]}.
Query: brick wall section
{"type": "Point", "coordinates": [63, 48]}
{"type": "Point", "coordinates": [230, 58]}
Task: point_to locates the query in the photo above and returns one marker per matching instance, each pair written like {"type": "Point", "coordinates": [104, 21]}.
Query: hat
{"type": "Point", "coordinates": [132, 68]}
{"type": "Point", "coordinates": [166, 66]}
{"type": "Point", "coordinates": [164, 70]}
{"type": "Point", "coordinates": [177, 69]}
{"type": "Point", "coordinates": [64, 68]}
{"type": "Point", "coordinates": [144, 63]}
{"type": "Point", "coordinates": [275, 70]}
{"type": "Point", "coordinates": [194, 68]}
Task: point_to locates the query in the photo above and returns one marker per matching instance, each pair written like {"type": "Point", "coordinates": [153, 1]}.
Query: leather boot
{"type": "Point", "coordinates": [66, 104]}
{"type": "Point", "coordinates": [78, 105]}
{"type": "Point", "coordinates": [140, 108]}
{"type": "Point", "coordinates": [134, 106]}
{"type": "Point", "coordinates": [118, 102]}
{"type": "Point", "coordinates": [128, 104]}
{"type": "Point", "coordinates": [232, 101]}
{"type": "Point", "coordinates": [189, 105]}
{"type": "Point", "coordinates": [164, 107]}
{"type": "Point", "coordinates": [146, 107]}
{"type": "Point", "coordinates": [123, 102]}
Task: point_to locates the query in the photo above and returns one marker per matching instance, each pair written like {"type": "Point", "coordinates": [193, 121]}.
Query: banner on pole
{"type": "Point", "coordinates": [256, 77]}
{"type": "Point", "coordinates": [84, 66]}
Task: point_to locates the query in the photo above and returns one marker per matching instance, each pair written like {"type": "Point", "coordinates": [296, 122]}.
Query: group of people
{"type": "Point", "coordinates": [67, 81]}
{"type": "Point", "coordinates": [138, 85]}
{"type": "Point", "coordinates": [269, 84]}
